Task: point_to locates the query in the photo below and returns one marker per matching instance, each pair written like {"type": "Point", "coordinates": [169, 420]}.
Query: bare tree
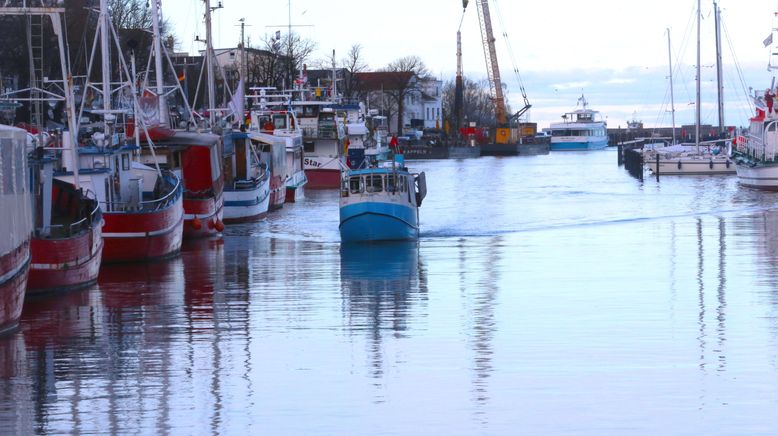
{"type": "Point", "coordinates": [352, 63]}
{"type": "Point", "coordinates": [405, 85]}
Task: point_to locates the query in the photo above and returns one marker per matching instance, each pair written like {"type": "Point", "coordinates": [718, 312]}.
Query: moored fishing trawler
{"type": "Point", "coordinates": [247, 180]}
{"type": "Point", "coordinates": [270, 115]}
{"type": "Point", "coordinates": [582, 129]}
{"type": "Point", "coordinates": [196, 159]}
{"type": "Point", "coordinates": [380, 202]}
{"type": "Point", "coordinates": [67, 243]}
{"type": "Point", "coordinates": [15, 226]}
{"type": "Point", "coordinates": [142, 205]}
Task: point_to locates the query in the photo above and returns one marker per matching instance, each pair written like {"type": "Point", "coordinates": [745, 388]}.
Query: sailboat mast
{"type": "Point", "coordinates": [719, 66]}
{"type": "Point", "coordinates": [209, 64]}
{"type": "Point", "coordinates": [163, 118]}
{"type": "Point", "coordinates": [697, 100]}
{"type": "Point", "coordinates": [672, 96]}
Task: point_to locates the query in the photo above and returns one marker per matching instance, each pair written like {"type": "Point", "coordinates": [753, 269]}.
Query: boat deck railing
{"type": "Point", "coordinates": [87, 220]}
{"type": "Point", "coordinates": [170, 196]}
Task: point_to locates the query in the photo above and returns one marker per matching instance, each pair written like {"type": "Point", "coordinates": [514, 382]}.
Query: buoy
{"type": "Point", "coordinates": [219, 226]}
{"type": "Point", "coordinates": [211, 224]}
{"type": "Point", "coordinates": [196, 224]}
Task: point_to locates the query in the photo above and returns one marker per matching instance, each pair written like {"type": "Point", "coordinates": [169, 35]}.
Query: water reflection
{"type": "Point", "coordinates": [108, 350]}
{"type": "Point", "coordinates": [380, 285]}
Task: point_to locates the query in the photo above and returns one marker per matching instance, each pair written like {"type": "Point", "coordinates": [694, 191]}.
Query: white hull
{"type": "Point", "coordinates": [690, 165]}
{"type": "Point", "coordinates": [247, 204]}
{"type": "Point", "coordinates": [321, 163]}
{"type": "Point", "coordinates": [761, 177]}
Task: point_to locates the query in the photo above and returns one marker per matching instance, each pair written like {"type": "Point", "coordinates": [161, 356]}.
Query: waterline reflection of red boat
{"type": "Point", "coordinates": [15, 226]}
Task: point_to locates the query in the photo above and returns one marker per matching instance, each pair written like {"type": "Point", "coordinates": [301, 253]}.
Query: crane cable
{"type": "Point", "coordinates": [510, 53]}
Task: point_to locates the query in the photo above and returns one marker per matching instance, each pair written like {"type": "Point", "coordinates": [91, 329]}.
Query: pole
{"type": "Point", "coordinates": [105, 26]}
{"type": "Point", "coordinates": [160, 89]}
{"type": "Point", "coordinates": [209, 64]}
{"type": "Point", "coordinates": [672, 97]}
{"type": "Point", "coordinates": [719, 67]}
{"type": "Point", "coordinates": [697, 101]}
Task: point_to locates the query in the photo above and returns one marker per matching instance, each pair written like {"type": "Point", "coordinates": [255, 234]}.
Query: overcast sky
{"type": "Point", "coordinates": [614, 51]}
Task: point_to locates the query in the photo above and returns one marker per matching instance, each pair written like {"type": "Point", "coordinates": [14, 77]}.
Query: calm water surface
{"type": "Point", "coordinates": [546, 295]}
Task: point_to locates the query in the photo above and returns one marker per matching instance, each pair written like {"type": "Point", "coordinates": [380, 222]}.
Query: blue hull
{"type": "Point", "coordinates": [570, 146]}
{"type": "Point", "coordinates": [374, 221]}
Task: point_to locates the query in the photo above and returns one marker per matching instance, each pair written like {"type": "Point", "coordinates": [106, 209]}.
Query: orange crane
{"type": "Point", "coordinates": [502, 131]}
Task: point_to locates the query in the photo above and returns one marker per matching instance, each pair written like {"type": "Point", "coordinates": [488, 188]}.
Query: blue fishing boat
{"type": "Point", "coordinates": [379, 201]}
{"type": "Point", "coordinates": [582, 129]}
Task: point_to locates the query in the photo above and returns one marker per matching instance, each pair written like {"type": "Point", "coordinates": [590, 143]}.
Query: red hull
{"type": "Point", "coordinates": [322, 179]}
{"type": "Point", "coordinates": [290, 192]}
{"type": "Point", "coordinates": [65, 264]}
{"type": "Point", "coordinates": [14, 268]}
{"type": "Point", "coordinates": [133, 237]}
{"type": "Point", "coordinates": [203, 218]}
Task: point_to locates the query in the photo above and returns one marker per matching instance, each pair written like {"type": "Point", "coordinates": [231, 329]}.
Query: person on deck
{"type": "Point", "coordinates": [768, 99]}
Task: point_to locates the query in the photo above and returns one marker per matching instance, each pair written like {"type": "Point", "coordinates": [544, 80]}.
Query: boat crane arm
{"type": "Point", "coordinates": [492, 67]}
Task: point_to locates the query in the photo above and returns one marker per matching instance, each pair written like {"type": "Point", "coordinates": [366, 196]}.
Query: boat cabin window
{"type": "Point", "coordinates": [279, 122]}
{"type": "Point", "coordinates": [374, 183]}
{"type": "Point", "coordinates": [308, 146]}
{"type": "Point", "coordinates": [391, 185]}
{"type": "Point", "coordinates": [310, 111]}
{"type": "Point", "coordinates": [355, 185]}
{"type": "Point", "coordinates": [771, 127]}
{"type": "Point", "coordinates": [585, 117]}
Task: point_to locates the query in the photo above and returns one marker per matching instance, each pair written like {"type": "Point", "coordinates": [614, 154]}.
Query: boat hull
{"type": "Point", "coordinates": [203, 217]}
{"type": "Point", "coordinates": [578, 144]}
{"type": "Point", "coordinates": [690, 166]}
{"type": "Point", "coordinates": [277, 193]}
{"type": "Point", "coordinates": [136, 237]}
{"type": "Point", "coordinates": [759, 176]}
{"type": "Point", "coordinates": [64, 264]}
{"type": "Point", "coordinates": [378, 221]}
{"type": "Point", "coordinates": [241, 205]}
{"type": "Point", "coordinates": [294, 193]}
{"type": "Point", "coordinates": [14, 269]}
{"type": "Point", "coordinates": [323, 178]}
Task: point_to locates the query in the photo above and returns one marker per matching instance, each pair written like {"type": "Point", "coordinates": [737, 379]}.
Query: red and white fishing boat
{"type": "Point", "coordinates": [247, 180]}
{"type": "Point", "coordinates": [142, 206]}
{"type": "Point", "coordinates": [15, 226]}
{"type": "Point", "coordinates": [196, 159]}
{"type": "Point", "coordinates": [67, 243]}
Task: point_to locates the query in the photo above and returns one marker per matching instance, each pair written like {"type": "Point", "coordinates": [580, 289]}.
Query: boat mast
{"type": "Point", "coordinates": [672, 97]}
{"type": "Point", "coordinates": [105, 58]}
{"type": "Point", "coordinates": [209, 64]}
{"type": "Point", "coordinates": [163, 113]}
{"type": "Point", "coordinates": [697, 101]}
{"type": "Point", "coordinates": [719, 66]}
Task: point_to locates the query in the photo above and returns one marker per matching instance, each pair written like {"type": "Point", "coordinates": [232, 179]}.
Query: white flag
{"type": "Point", "coordinates": [236, 104]}
{"type": "Point", "coordinates": [768, 40]}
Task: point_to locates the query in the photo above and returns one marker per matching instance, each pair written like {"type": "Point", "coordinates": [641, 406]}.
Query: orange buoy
{"type": "Point", "coordinates": [219, 226]}
{"type": "Point", "coordinates": [196, 224]}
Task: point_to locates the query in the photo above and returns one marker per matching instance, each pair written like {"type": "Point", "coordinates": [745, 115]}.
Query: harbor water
{"type": "Point", "coordinates": [548, 294]}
